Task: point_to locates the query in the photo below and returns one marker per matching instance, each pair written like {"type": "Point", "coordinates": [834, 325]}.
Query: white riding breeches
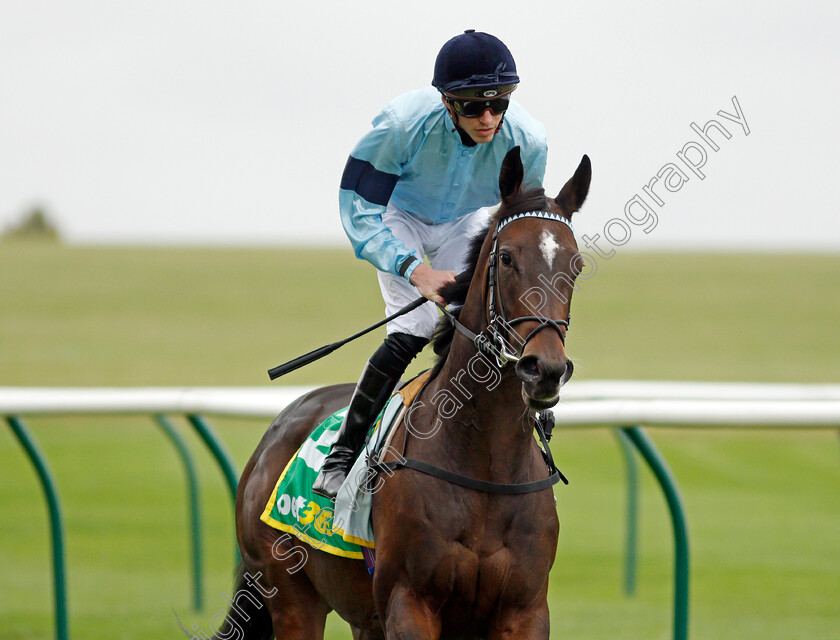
{"type": "Point", "coordinates": [446, 246]}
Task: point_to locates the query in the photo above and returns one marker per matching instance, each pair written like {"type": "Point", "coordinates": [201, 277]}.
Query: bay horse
{"type": "Point", "coordinates": [451, 561]}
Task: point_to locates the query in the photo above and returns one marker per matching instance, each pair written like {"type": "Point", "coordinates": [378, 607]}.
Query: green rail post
{"type": "Point", "coordinates": [663, 474]}
{"type": "Point", "coordinates": [223, 459]}
{"type": "Point", "coordinates": [56, 524]}
{"type": "Point", "coordinates": [632, 513]}
{"type": "Point", "coordinates": [194, 508]}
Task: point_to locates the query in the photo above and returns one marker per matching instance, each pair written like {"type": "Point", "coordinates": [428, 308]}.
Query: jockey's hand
{"type": "Point", "coordinates": [429, 281]}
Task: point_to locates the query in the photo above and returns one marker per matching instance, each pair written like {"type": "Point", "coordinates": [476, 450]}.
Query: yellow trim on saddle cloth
{"type": "Point", "coordinates": [281, 526]}
{"type": "Point", "coordinates": [348, 538]}
{"type": "Point", "coordinates": [317, 544]}
{"type": "Point", "coordinates": [266, 514]}
{"type": "Point", "coordinates": [410, 391]}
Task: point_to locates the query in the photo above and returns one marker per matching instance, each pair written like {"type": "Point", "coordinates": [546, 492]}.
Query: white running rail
{"type": "Point", "coordinates": [583, 404]}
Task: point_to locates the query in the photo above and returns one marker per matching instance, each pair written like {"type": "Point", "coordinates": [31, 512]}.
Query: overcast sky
{"type": "Point", "coordinates": [191, 121]}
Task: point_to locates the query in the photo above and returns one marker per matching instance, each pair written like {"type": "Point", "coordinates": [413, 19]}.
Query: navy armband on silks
{"type": "Point", "coordinates": [367, 181]}
{"type": "Point", "coordinates": [410, 260]}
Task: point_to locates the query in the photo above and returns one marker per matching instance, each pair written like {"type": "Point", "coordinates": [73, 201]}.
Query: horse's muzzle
{"type": "Point", "coordinates": [542, 380]}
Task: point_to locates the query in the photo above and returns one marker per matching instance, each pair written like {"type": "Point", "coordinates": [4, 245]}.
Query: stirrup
{"type": "Point", "coordinates": [334, 472]}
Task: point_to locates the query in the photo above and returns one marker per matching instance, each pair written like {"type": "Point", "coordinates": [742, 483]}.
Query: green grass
{"type": "Point", "coordinates": [127, 317]}
{"type": "Point", "coordinates": [763, 510]}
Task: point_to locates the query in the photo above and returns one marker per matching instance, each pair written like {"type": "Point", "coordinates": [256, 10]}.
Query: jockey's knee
{"type": "Point", "coordinates": [396, 352]}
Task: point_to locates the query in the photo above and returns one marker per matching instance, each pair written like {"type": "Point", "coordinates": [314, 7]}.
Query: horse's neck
{"type": "Point", "coordinates": [483, 417]}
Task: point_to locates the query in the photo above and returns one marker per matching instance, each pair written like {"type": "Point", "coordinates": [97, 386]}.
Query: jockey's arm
{"type": "Point", "coordinates": [369, 178]}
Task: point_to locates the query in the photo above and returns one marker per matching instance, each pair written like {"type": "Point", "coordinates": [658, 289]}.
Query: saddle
{"type": "Point", "coordinates": [341, 528]}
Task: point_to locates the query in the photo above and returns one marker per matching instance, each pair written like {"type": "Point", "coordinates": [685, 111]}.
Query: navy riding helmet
{"type": "Point", "coordinates": [473, 61]}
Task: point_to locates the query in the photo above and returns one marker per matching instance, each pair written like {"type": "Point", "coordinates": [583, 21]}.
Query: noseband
{"type": "Point", "coordinates": [491, 340]}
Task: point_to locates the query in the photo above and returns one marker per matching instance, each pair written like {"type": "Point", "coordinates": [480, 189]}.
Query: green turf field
{"type": "Point", "coordinates": [763, 508]}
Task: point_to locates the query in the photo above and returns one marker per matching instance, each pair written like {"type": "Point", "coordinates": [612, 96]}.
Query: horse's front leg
{"type": "Point", "coordinates": [408, 617]}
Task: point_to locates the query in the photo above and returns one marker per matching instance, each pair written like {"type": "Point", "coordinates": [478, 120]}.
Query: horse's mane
{"type": "Point", "coordinates": [455, 294]}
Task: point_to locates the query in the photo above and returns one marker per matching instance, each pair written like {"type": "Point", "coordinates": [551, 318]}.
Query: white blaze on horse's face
{"type": "Point", "coordinates": [549, 247]}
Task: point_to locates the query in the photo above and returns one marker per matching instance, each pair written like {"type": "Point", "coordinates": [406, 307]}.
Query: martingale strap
{"type": "Point", "coordinates": [470, 483]}
{"type": "Point", "coordinates": [483, 485]}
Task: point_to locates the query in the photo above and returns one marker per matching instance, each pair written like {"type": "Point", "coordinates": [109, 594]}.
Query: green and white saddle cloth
{"type": "Point", "coordinates": [341, 528]}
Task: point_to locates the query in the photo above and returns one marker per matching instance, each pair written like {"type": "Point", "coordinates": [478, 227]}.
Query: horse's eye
{"type": "Point", "coordinates": [505, 259]}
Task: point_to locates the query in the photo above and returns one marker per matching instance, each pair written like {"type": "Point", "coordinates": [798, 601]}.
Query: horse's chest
{"type": "Point", "coordinates": [494, 559]}
{"type": "Point", "coordinates": [491, 573]}
{"type": "Point", "coordinates": [471, 555]}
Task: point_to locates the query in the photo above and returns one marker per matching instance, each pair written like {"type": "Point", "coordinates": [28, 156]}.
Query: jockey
{"type": "Point", "coordinates": [421, 183]}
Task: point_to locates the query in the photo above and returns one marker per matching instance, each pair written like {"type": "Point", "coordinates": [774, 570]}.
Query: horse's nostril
{"type": "Point", "coordinates": [528, 369]}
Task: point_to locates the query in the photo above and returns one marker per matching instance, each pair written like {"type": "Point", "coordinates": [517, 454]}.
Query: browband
{"type": "Point", "coordinates": [546, 215]}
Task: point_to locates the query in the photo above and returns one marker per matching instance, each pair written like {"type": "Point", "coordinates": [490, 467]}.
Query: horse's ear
{"type": "Point", "coordinates": [574, 192]}
{"type": "Point", "coordinates": [512, 174]}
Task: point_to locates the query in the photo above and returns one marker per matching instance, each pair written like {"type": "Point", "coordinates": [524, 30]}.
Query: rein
{"type": "Point", "coordinates": [490, 342]}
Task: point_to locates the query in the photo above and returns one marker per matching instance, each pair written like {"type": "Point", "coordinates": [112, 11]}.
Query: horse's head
{"type": "Point", "coordinates": [533, 261]}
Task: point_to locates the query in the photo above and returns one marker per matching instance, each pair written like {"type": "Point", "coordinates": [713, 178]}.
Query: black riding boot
{"type": "Point", "coordinates": [369, 398]}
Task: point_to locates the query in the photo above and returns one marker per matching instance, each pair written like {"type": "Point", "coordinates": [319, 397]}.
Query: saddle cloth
{"type": "Point", "coordinates": [342, 528]}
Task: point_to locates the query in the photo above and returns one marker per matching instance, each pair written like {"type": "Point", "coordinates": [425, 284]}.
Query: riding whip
{"type": "Point", "coordinates": [316, 354]}
{"type": "Point", "coordinates": [320, 352]}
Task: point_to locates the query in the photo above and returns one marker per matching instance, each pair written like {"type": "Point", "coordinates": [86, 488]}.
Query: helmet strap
{"type": "Point", "coordinates": [500, 125]}
{"type": "Point", "coordinates": [466, 140]}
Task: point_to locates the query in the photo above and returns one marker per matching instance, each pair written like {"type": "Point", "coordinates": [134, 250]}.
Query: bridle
{"type": "Point", "coordinates": [491, 340]}
{"type": "Point", "coordinates": [491, 343]}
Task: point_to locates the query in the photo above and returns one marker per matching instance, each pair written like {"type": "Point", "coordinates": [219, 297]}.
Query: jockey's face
{"type": "Point", "coordinates": [481, 128]}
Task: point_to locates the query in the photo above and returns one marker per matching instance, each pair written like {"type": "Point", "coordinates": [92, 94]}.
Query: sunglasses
{"type": "Point", "coordinates": [474, 108]}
